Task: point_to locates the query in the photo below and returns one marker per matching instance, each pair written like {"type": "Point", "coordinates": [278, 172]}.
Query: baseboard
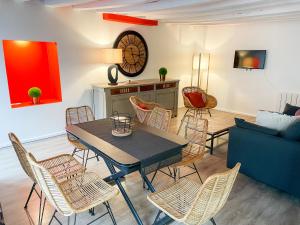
{"type": "Point", "coordinates": [236, 112]}
{"type": "Point", "coordinates": [42, 137]}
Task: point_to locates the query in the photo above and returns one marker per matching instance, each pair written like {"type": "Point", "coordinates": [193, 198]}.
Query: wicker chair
{"type": "Point", "coordinates": [61, 166]}
{"type": "Point", "coordinates": [142, 114]}
{"type": "Point", "coordinates": [210, 101]}
{"type": "Point", "coordinates": [77, 115]}
{"type": "Point", "coordinates": [160, 118]}
{"type": "Point", "coordinates": [188, 202]}
{"type": "Point", "coordinates": [195, 131]}
{"type": "Point", "coordinates": [75, 195]}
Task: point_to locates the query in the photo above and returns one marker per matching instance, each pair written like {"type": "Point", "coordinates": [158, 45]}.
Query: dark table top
{"type": "Point", "coordinates": [143, 144]}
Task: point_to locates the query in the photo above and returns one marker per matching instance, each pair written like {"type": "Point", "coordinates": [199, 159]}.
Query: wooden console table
{"type": "Point", "coordinates": [107, 98]}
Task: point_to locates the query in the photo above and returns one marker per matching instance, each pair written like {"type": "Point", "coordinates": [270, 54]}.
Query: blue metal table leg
{"type": "Point", "coordinates": [166, 219]}
{"type": "Point", "coordinates": [147, 181]}
{"type": "Point", "coordinates": [123, 192]}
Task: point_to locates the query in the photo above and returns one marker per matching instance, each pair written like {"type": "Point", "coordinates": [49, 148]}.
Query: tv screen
{"type": "Point", "coordinates": [250, 59]}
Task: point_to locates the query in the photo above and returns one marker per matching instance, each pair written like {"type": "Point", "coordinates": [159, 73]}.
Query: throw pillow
{"type": "Point", "coordinates": [290, 109]}
{"type": "Point", "coordinates": [293, 131]}
{"type": "Point", "coordinates": [252, 126]}
{"type": "Point", "coordinates": [142, 106]}
{"type": "Point", "coordinates": [274, 120]}
{"type": "Point", "coordinates": [196, 99]}
{"type": "Point", "coordinates": [297, 112]}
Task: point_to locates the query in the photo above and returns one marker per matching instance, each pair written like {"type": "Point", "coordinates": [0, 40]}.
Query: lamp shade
{"type": "Point", "coordinates": [204, 65]}
{"type": "Point", "coordinates": [111, 55]}
{"type": "Point", "coordinates": [196, 59]}
{"type": "Point", "coordinates": [201, 60]}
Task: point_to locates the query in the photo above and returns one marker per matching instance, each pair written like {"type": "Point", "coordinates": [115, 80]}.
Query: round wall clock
{"type": "Point", "coordinates": [135, 53]}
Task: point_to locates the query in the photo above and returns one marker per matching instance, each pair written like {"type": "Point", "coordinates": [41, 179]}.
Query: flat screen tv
{"type": "Point", "coordinates": [250, 59]}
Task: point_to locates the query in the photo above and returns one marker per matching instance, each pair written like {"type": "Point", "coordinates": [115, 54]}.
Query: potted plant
{"type": "Point", "coordinates": [35, 94]}
{"type": "Point", "coordinates": [162, 73]}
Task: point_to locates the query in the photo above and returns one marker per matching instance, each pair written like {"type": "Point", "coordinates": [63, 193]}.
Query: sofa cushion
{"type": "Point", "coordinates": [196, 99]}
{"type": "Point", "coordinates": [143, 106]}
{"type": "Point", "coordinates": [292, 131]}
{"type": "Point", "coordinates": [290, 109]}
{"type": "Point", "coordinates": [297, 112]}
{"type": "Point", "coordinates": [274, 120]}
{"type": "Point", "coordinates": [252, 126]}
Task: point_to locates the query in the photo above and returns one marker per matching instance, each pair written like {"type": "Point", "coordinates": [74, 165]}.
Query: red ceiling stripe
{"type": "Point", "coordinates": [129, 19]}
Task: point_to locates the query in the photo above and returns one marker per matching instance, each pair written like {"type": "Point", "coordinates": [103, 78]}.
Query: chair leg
{"type": "Point", "coordinates": [40, 208]}
{"type": "Point", "coordinates": [213, 221]}
{"type": "Point", "coordinates": [197, 173]}
{"type": "Point", "coordinates": [110, 213]}
{"type": "Point", "coordinates": [75, 218]}
{"type": "Point", "coordinates": [69, 219]}
{"type": "Point", "coordinates": [86, 158]}
{"type": "Point", "coordinates": [30, 194]}
{"type": "Point", "coordinates": [154, 175]}
{"type": "Point", "coordinates": [157, 216]}
{"type": "Point", "coordinates": [175, 173]}
{"type": "Point", "coordinates": [74, 151]}
{"type": "Point", "coordinates": [209, 112]}
{"type": "Point", "coordinates": [43, 210]}
{"type": "Point", "coordinates": [83, 157]}
{"type": "Point", "coordinates": [170, 171]}
{"type": "Point", "coordinates": [54, 217]}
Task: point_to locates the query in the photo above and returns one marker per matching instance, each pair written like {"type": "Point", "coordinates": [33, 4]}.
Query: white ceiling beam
{"type": "Point", "coordinates": [133, 5]}
{"type": "Point", "coordinates": [263, 9]}
{"type": "Point", "coordinates": [223, 10]}
{"type": "Point", "coordinates": [60, 3]}
{"type": "Point", "coordinates": [180, 5]}
{"type": "Point", "coordinates": [190, 11]}
{"type": "Point", "coordinates": [108, 4]}
{"type": "Point", "coordinates": [237, 19]}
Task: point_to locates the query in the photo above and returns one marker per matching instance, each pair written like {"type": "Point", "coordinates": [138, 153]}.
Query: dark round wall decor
{"type": "Point", "coordinates": [135, 53]}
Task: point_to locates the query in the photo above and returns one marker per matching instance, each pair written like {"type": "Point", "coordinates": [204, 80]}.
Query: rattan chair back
{"type": "Point", "coordinates": [160, 118]}
{"type": "Point", "coordinates": [21, 153]}
{"type": "Point", "coordinates": [186, 101]}
{"type": "Point", "coordinates": [142, 114]}
{"type": "Point", "coordinates": [50, 187]}
{"type": "Point", "coordinates": [212, 197]}
{"type": "Point", "coordinates": [210, 101]}
{"type": "Point", "coordinates": [194, 129]}
{"type": "Point", "coordinates": [75, 115]}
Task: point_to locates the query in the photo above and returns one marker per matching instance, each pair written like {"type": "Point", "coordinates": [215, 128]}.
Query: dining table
{"type": "Point", "coordinates": [146, 150]}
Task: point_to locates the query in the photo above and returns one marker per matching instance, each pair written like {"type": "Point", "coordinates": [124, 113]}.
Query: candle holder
{"type": "Point", "coordinates": [121, 124]}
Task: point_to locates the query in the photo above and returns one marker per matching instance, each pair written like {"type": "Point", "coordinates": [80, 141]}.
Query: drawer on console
{"type": "Point", "coordinates": [118, 91]}
{"type": "Point", "coordinates": [147, 87]}
{"type": "Point", "coordinates": [165, 86]}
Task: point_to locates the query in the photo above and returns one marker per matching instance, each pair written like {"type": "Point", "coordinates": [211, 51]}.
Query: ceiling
{"type": "Point", "coordinates": [203, 12]}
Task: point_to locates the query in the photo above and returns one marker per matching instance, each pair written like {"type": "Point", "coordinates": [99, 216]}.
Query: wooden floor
{"type": "Point", "coordinates": [251, 203]}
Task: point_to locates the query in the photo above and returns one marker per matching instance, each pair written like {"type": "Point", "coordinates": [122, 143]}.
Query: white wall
{"type": "Point", "coordinates": [79, 36]}
{"type": "Point", "coordinates": [248, 91]}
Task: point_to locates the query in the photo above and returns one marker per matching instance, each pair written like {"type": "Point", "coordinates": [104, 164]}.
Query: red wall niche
{"type": "Point", "coordinates": [32, 64]}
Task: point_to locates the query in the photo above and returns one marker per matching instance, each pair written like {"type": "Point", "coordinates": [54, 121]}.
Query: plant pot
{"type": "Point", "coordinates": [162, 77]}
{"type": "Point", "coordinates": [36, 100]}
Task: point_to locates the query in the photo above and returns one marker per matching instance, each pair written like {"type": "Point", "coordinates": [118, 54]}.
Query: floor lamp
{"type": "Point", "coordinates": [201, 63]}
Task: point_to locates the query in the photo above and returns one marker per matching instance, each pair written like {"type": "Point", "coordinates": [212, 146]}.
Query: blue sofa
{"type": "Point", "coordinates": [268, 158]}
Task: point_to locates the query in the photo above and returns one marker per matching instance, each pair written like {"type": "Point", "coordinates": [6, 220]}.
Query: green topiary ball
{"type": "Point", "coordinates": [34, 92]}
{"type": "Point", "coordinates": [163, 71]}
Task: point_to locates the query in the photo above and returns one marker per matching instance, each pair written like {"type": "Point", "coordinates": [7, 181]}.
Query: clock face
{"type": "Point", "coordinates": [135, 53]}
